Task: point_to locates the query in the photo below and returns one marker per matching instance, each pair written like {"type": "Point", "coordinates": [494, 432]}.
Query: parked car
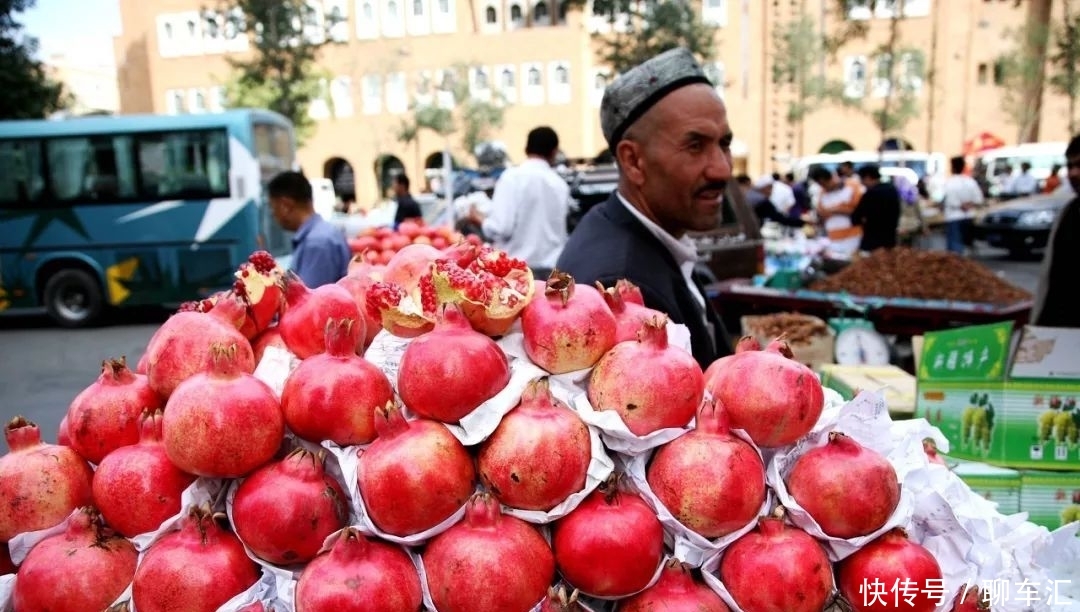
{"type": "Point", "coordinates": [1023, 225]}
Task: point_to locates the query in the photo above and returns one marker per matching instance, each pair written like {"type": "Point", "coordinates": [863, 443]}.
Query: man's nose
{"type": "Point", "coordinates": [720, 166]}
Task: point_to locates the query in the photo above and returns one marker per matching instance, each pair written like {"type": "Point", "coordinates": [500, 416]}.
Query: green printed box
{"type": "Point", "coordinates": [1051, 499]}
{"type": "Point", "coordinates": [1003, 398]}
{"type": "Point", "coordinates": [997, 484]}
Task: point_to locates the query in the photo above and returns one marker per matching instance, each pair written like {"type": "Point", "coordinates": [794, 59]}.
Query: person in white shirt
{"type": "Point", "coordinates": [529, 206]}
{"type": "Point", "coordinates": [962, 195]}
{"type": "Point", "coordinates": [781, 195]}
{"type": "Point", "coordinates": [1022, 184]}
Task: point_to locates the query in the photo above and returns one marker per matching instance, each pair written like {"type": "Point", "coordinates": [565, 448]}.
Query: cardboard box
{"type": "Point", "coordinates": [895, 384]}
{"type": "Point", "coordinates": [1051, 499]}
{"type": "Point", "coordinates": [1004, 398]}
{"type": "Point", "coordinates": [997, 484]}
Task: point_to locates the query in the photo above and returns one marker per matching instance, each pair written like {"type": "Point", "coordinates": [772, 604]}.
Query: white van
{"type": "Point", "coordinates": [994, 167]}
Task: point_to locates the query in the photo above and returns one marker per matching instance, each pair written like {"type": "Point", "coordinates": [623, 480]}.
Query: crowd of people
{"type": "Point", "coordinates": [669, 134]}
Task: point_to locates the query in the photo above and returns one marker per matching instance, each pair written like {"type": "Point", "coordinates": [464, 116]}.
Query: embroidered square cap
{"type": "Point", "coordinates": [637, 90]}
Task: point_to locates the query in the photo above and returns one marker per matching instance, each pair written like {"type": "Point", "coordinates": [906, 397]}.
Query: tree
{"type": "Point", "coordinates": [282, 73]}
{"type": "Point", "coordinates": [1022, 72]}
{"type": "Point", "coordinates": [1066, 62]}
{"type": "Point", "coordinates": [454, 109]}
{"type": "Point", "coordinates": [641, 30]}
{"type": "Point", "coordinates": [798, 49]}
{"type": "Point", "coordinates": [26, 90]}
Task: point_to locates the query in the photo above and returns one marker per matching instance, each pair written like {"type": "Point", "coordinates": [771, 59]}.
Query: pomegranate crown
{"type": "Point", "coordinates": [560, 284]}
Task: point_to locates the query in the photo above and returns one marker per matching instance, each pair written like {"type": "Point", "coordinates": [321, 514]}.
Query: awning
{"type": "Point", "coordinates": [983, 141]}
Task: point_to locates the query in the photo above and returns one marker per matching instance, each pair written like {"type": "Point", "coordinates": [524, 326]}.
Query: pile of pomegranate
{"type": "Point", "coordinates": [377, 245]}
{"type": "Point", "coordinates": [286, 448]}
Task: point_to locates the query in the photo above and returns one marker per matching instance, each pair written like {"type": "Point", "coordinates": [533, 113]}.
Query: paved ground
{"type": "Point", "coordinates": [43, 367]}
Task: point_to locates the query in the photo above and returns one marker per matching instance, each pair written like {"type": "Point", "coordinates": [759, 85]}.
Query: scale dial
{"type": "Point", "coordinates": [861, 346]}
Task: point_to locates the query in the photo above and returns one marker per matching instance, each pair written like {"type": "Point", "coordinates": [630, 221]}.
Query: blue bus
{"type": "Point", "coordinates": [115, 211]}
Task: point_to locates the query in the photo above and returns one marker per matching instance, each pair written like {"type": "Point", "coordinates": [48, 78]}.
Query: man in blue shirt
{"type": "Point", "coordinates": [320, 253]}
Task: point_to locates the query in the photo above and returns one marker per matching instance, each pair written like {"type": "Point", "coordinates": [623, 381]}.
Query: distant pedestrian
{"type": "Point", "coordinates": [962, 195]}
{"type": "Point", "coordinates": [878, 212]}
{"type": "Point", "coordinates": [320, 253]}
{"type": "Point", "coordinates": [407, 207]}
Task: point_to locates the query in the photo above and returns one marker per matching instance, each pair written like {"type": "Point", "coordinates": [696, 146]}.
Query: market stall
{"type": "Point", "coordinates": [449, 434]}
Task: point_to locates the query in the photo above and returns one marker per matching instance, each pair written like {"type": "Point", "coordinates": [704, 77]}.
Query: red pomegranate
{"type": "Point", "coordinates": [404, 300]}
{"type": "Point", "coordinates": [285, 510]}
{"type": "Point", "coordinates": [40, 484]}
{"type": "Point", "coordinates": [329, 583]}
{"type": "Point", "coordinates": [448, 372]}
{"type": "Point", "coordinates": [611, 544]}
{"type": "Point", "coordinates": [538, 455]}
{"type": "Point", "coordinates": [303, 320]}
{"type": "Point", "coordinates": [649, 383]}
{"type": "Point", "coordinates": [710, 480]}
{"type": "Point", "coordinates": [678, 591]}
{"type": "Point", "coordinates": [746, 343]}
{"type": "Point", "coordinates": [489, 286]}
{"type": "Point", "coordinates": [360, 278]}
{"type": "Point", "coordinates": [6, 565]}
{"type": "Point", "coordinates": [181, 347]}
{"type": "Point", "coordinates": [477, 565]}
{"type": "Point", "coordinates": [259, 283]}
{"type": "Point", "coordinates": [855, 501]}
{"type": "Point", "coordinates": [419, 461]}
{"type": "Point", "coordinates": [105, 416]}
{"type": "Point", "coordinates": [567, 328]}
{"type": "Point", "coordinates": [195, 569]}
{"type": "Point", "coordinates": [136, 487]}
{"type": "Point", "coordinates": [270, 337]}
{"type": "Point", "coordinates": [866, 579]}
{"type": "Point", "coordinates": [628, 306]}
{"type": "Point", "coordinates": [84, 568]}
{"type": "Point", "coordinates": [558, 600]}
{"type": "Point", "coordinates": [359, 266]}
{"type": "Point", "coordinates": [769, 394]}
{"type": "Point", "coordinates": [799, 570]}
{"type": "Point", "coordinates": [63, 433]}
{"type": "Point", "coordinates": [970, 599]}
{"type": "Point", "coordinates": [333, 395]}
{"type": "Point", "coordinates": [203, 439]}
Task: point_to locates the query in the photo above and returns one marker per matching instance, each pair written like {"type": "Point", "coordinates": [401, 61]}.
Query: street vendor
{"type": "Point", "coordinates": [668, 131]}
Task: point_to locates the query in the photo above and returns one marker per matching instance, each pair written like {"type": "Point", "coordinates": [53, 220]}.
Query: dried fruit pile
{"type": "Point", "coordinates": [447, 433]}
{"type": "Point", "coordinates": [794, 327]}
{"type": "Point", "coordinates": [926, 275]}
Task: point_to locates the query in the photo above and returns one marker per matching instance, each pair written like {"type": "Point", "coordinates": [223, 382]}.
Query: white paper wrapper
{"type": "Point", "coordinates": [385, 352]}
{"type": "Point", "coordinates": [688, 546]}
{"type": "Point", "coordinates": [476, 426]}
{"type": "Point", "coordinates": [20, 545]}
{"type": "Point", "coordinates": [275, 367]}
{"type": "Point", "coordinates": [7, 591]}
{"type": "Point", "coordinates": [617, 436]}
{"type": "Point", "coordinates": [866, 420]}
{"type": "Point", "coordinates": [265, 591]}
{"type": "Point", "coordinates": [709, 572]}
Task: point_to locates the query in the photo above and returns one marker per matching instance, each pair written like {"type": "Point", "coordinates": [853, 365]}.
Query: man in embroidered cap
{"type": "Point", "coordinates": [668, 131]}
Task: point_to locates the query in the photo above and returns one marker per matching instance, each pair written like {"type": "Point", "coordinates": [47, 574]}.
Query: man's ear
{"type": "Point", "coordinates": [628, 154]}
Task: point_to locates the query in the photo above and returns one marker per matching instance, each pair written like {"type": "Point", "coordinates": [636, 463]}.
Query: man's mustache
{"type": "Point", "coordinates": [720, 186]}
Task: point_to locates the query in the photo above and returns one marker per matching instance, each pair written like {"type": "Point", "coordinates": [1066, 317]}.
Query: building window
{"type": "Point", "coordinates": [444, 21]}
{"type": "Point", "coordinates": [419, 23]}
{"type": "Point", "coordinates": [533, 92]}
{"type": "Point", "coordinates": [983, 74]}
{"type": "Point", "coordinates": [337, 15]}
{"type": "Point", "coordinates": [168, 31]}
{"type": "Point", "coordinates": [559, 87]}
{"type": "Point", "coordinates": [367, 24]}
{"type": "Point", "coordinates": [999, 72]}
{"type": "Point", "coordinates": [392, 23]}
{"type": "Point", "coordinates": [541, 14]}
{"type": "Point", "coordinates": [445, 95]}
{"type": "Point", "coordinates": [506, 78]}
{"type": "Point", "coordinates": [192, 29]}
{"type": "Point", "coordinates": [198, 101]}
{"type": "Point", "coordinates": [341, 96]}
{"type": "Point", "coordinates": [599, 84]}
{"type": "Point", "coordinates": [480, 83]}
{"type": "Point", "coordinates": [491, 16]}
{"type": "Point", "coordinates": [882, 82]}
{"type": "Point", "coordinates": [23, 183]}
{"type": "Point", "coordinates": [444, 6]}
{"type": "Point", "coordinates": [855, 77]}
{"type": "Point", "coordinates": [174, 102]}
{"type": "Point", "coordinates": [184, 165]}
{"type": "Point", "coordinates": [219, 99]}
{"type": "Point", "coordinates": [516, 16]}
{"type": "Point", "coordinates": [397, 93]}
{"type": "Point", "coordinates": [911, 69]}
{"type": "Point", "coordinates": [714, 12]}
{"type": "Point", "coordinates": [319, 109]}
{"type": "Point", "coordinates": [418, 8]}
{"type": "Point", "coordinates": [372, 94]}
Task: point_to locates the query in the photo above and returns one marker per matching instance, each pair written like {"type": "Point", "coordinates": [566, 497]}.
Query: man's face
{"type": "Point", "coordinates": [680, 159]}
{"type": "Point", "coordinates": [284, 210]}
{"type": "Point", "coordinates": [1073, 166]}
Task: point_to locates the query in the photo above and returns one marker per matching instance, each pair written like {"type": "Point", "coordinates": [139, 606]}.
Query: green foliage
{"type": "Point", "coordinates": [474, 118]}
{"type": "Point", "coordinates": [26, 90]}
{"type": "Point", "coordinates": [798, 50]}
{"type": "Point", "coordinates": [281, 73]}
{"type": "Point", "coordinates": [645, 29]}
{"type": "Point", "coordinates": [1021, 71]}
{"type": "Point", "coordinates": [1065, 61]}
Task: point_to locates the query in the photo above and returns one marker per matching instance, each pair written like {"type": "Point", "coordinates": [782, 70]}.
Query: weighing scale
{"type": "Point", "coordinates": [857, 341]}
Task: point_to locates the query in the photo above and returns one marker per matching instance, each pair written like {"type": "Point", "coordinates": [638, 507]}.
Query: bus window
{"type": "Point", "coordinates": [91, 168]}
{"type": "Point", "coordinates": [22, 182]}
{"type": "Point", "coordinates": [185, 165]}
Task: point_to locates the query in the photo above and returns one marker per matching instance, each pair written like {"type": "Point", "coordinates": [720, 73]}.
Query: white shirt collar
{"type": "Point", "coordinates": [682, 249]}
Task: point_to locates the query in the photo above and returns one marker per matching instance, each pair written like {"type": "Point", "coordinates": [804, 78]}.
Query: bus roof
{"type": "Point", "coordinates": [111, 124]}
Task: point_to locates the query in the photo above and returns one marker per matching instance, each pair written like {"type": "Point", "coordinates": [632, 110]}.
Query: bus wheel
{"type": "Point", "coordinates": [73, 298]}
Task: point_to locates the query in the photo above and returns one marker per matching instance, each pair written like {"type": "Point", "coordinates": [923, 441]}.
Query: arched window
{"type": "Point", "coordinates": [534, 76]}
{"type": "Point", "coordinates": [418, 8]}
{"type": "Point", "coordinates": [191, 28]}
{"type": "Point", "coordinates": [600, 81]}
{"type": "Point", "coordinates": [168, 30]}
{"type": "Point", "coordinates": [540, 12]}
{"type": "Point", "coordinates": [392, 9]}
{"type": "Point", "coordinates": [491, 16]}
{"type": "Point", "coordinates": [369, 12]}
{"type": "Point", "coordinates": [508, 78]}
{"type": "Point", "coordinates": [562, 77]}
{"type": "Point", "coordinates": [515, 12]}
